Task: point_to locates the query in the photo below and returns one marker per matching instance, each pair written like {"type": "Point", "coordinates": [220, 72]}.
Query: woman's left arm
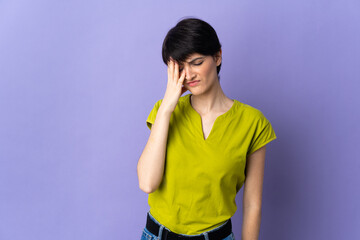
{"type": "Point", "coordinates": [252, 196]}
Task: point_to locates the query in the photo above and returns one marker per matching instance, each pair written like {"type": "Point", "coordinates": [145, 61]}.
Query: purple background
{"type": "Point", "coordinates": [79, 78]}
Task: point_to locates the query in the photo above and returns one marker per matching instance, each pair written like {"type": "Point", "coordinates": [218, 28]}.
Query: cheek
{"type": "Point", "coordinates": [208, 69]}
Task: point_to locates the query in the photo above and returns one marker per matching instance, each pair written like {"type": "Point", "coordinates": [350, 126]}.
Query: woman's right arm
{"type": "Point", "coordinates": [150, 168]}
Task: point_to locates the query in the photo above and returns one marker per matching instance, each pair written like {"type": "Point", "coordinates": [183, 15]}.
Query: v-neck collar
{"type": "Point", "coordinates": [198, 121]}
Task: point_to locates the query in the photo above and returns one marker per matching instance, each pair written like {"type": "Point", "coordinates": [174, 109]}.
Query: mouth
{"type": "Point", "coordinates": [193, 83]}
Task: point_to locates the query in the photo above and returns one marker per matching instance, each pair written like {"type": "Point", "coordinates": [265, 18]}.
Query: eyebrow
{"type": "Point", "coordinates": [195, 59]}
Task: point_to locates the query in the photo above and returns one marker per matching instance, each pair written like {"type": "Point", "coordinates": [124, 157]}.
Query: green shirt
{"type": "Point", "coordinates": [202, 177]}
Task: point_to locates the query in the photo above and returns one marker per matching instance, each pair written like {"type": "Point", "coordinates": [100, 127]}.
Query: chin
{"type": "Point", "coordinates": [194, 92]}
{"type": "Point", "coordinates": [197, 91]}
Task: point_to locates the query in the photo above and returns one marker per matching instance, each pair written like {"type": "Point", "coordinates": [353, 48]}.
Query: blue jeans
{"type": "Point", "coordinates": [147, 235]}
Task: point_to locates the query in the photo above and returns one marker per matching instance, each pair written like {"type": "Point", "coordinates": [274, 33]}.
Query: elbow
{"type": "Point", "coordinates": [147, 186]}
{"type": "Point", "coordinates": [252, 208]}
{"type": "Point", "coordinates": [147, 189]}
{"type": "Point", "coordinates": [147, 183]}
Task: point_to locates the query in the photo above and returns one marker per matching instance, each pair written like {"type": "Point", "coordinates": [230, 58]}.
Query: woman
{"type": "Point", "coordinates": [201, 147]}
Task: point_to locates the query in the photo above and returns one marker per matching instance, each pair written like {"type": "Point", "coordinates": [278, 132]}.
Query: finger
{"type": "Point", "coordinates": [168, 68]}
{"type": "Point", "coordinates": [176, 71]}
{"type": "Point", "coordinates": [182, 77]}
{"type": "Point", "coordinates": [171, 70]}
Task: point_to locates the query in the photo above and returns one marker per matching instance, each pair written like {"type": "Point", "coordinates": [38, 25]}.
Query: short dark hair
{"type": "Point", "coordinates": [190, 35]}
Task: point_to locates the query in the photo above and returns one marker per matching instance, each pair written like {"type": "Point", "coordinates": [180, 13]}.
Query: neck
{"type": "Point", "coordinates": [213, 100]}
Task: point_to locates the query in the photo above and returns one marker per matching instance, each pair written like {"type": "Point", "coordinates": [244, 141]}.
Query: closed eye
{"type": "Point", "coordinates": [196, 64]}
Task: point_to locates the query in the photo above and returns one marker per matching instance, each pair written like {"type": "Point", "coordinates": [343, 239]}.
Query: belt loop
{"type": "Point", "coordinates": [160, 233]}
{"type": "Point", "coordinates": [206, 236]}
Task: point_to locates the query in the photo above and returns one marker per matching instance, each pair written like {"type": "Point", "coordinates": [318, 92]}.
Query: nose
{"type": "Point", "coordinates": [188, 73]}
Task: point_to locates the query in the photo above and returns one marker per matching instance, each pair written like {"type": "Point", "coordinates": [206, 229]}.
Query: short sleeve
{"type": "Point", "coordinates": [152, 115]}
{"type": "Point", "coordinates": [263, 134]}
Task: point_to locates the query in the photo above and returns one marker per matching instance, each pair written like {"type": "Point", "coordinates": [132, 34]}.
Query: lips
{"type": "Point", "coordinates": [193, 81]}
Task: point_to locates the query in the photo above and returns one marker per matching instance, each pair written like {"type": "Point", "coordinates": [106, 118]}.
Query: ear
{"type": "Point", "coordinates": [218, 57]}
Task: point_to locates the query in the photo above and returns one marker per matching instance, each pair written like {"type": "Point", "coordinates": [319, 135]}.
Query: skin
{"type": "Point", "coordinates": [208, 98]}
{"type": "Point", "coordinates": [252, 197]}
{"type": "Point", "coordinates": [209, 101]}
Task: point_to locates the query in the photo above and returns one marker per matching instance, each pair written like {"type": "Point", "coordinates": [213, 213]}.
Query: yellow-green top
{"type": "Point", "coordinates": [202, 176]}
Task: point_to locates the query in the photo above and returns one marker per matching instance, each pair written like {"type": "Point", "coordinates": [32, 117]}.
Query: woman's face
{"type": "Point", "coordinates": [202, 70]}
